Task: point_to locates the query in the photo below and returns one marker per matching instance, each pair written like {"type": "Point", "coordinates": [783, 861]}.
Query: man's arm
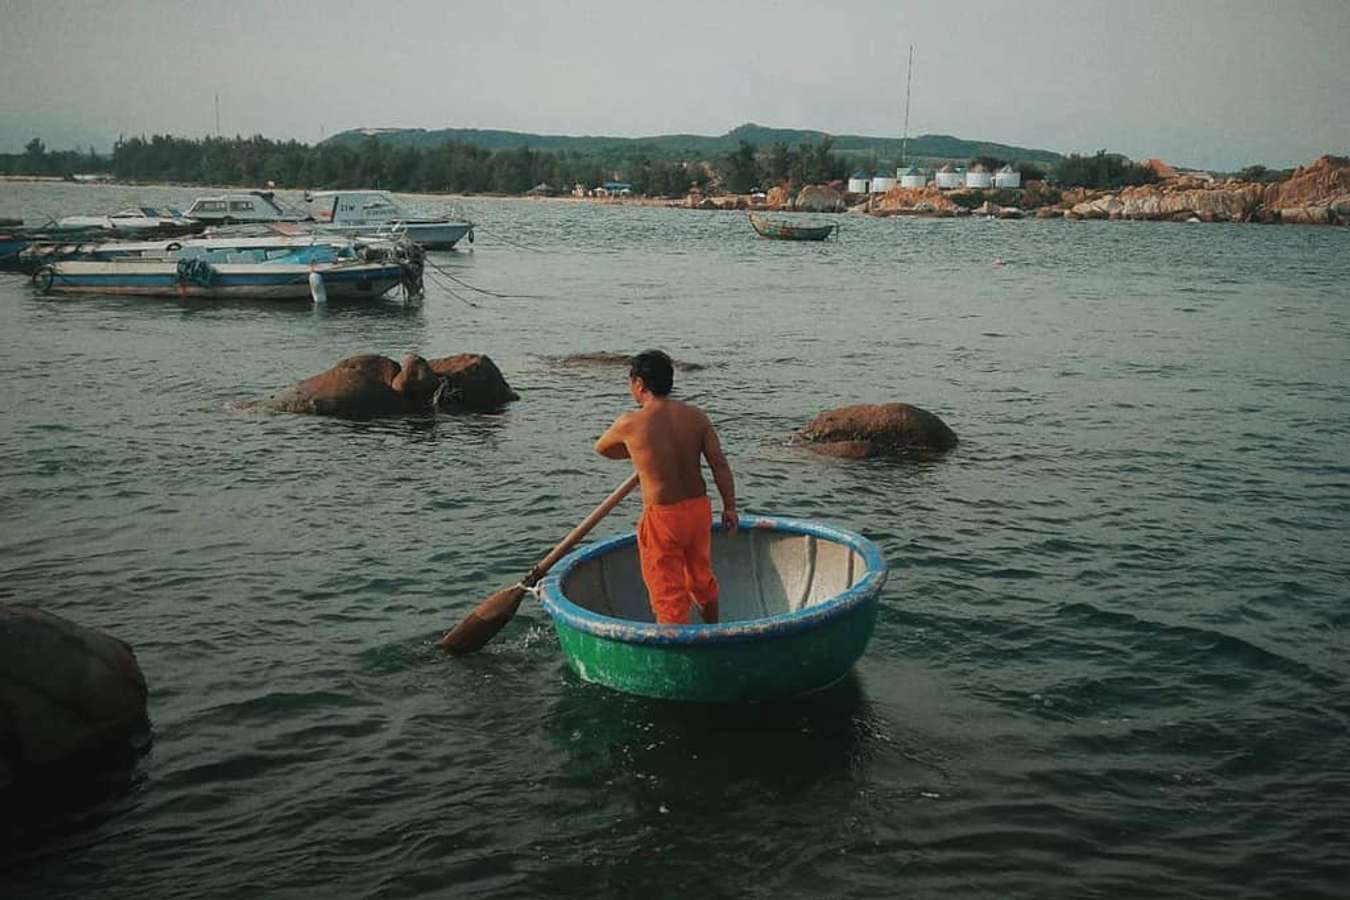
{"type": "Point", "coordinates": [611, 443]}
{"type": "Point", "coordinates": [721, 472]}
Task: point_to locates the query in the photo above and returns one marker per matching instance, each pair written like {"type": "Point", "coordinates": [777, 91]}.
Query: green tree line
{"type": "Point", "coordinates": [35, 160]}
{"type": "Point", "coordinates": [1101, 170]}
{"type": "Point", "coordinates": [453, 167]}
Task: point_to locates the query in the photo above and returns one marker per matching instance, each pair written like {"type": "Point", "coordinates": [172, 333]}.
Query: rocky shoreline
{"type": "Point", "coordinates": [1317, 194]}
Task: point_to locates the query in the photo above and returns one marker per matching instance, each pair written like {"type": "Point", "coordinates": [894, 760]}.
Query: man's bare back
{"type": "Point", "coordinates": [667, 441]}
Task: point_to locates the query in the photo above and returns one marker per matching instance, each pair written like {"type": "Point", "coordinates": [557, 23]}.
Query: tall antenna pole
{"type": "Point", "coordinates": [217, 115]}
{"type": "Point", "coordinates": [909, 79]}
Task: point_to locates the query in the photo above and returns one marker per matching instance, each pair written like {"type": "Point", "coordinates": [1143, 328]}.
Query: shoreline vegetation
{"type": "Point", "coordinates": [812, 177]}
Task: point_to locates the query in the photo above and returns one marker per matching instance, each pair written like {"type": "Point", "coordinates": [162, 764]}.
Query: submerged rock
{"type": "Point", "coordinates": [72, 699]}
{"type": "Point", "coordinates": [361, 387]}
{"type": "Point", "coordinates": [867, 430]}
{"type": "Point", "coordinates": [472, 382]}
{"type": "Point", "coordinates": [604, 358]}
{"type": "Point", "coordinates": [371, 386]}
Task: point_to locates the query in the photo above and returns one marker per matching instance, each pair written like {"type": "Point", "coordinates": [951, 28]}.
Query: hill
{"type": "Point", "coordinates": [925, 146]}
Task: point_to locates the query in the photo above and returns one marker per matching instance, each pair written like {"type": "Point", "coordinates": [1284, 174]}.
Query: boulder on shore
{"type": "Point", "coordinates": [867, 430]}
{"type": "Point", "coordinates": [820, 198]}
{"type": "Point", "coordinates": [71, 698]}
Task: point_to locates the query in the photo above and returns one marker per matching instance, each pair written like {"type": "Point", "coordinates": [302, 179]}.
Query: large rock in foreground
{"type": "Point", "coordinates": [71, 697]}
{"type": "Point", "coordinates": [866, 430]}
{"type": "Point", "coordinates": [472, 382]}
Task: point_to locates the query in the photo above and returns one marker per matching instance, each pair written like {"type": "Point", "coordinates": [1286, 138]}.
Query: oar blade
{"type": "Point", "coordinates": [482, 625]}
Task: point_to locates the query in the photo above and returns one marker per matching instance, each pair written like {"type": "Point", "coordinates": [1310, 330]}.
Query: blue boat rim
{"type": "Point", "coordinates": [628, 631]}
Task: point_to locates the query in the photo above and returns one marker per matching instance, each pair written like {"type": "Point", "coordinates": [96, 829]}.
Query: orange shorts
{"type": "Point", "coordinates": [673, 542]}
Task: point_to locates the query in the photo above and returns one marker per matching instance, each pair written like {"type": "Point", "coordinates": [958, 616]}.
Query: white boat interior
{"type": "Point", "coordinates": [132, 218]}
{"type": "Point", "coordinates": [760, 572]}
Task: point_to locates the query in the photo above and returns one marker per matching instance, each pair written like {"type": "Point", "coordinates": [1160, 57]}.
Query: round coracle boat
{"type": "Point", "coordinates": [798, 604]}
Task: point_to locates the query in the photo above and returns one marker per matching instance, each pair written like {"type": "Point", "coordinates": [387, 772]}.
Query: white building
{"type": "Point", "coordinates": [911, 178]}
{"type": "Point", "coordinates": [947, 178]}
{"type": "Point", "coordinates": [857, 183]}
{"type": "Point", "coordinates": [978, 177]}
{"type": "Point", "coordinates": [882, 182]}
{"type": "Point", "coordinates": [1008, 177]}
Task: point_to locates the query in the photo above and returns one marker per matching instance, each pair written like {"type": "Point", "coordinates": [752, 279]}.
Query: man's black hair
{"type": "Point", "coordinates": [656, 371]}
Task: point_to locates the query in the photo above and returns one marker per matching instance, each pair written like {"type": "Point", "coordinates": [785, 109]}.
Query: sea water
{"type": "Point", "coordinates": [1111, 657]}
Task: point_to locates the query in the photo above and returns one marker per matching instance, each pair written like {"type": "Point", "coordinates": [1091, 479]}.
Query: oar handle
{"type": "Point", "coordinates": [574, 537]}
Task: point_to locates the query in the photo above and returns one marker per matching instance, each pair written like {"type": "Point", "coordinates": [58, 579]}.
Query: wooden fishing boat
{"type": "Point", "coordinates": [283, 273]}
{"type": "Point", "coordinates": [784, 232]}
{"type": "Point", "coordinates": [798, 602]}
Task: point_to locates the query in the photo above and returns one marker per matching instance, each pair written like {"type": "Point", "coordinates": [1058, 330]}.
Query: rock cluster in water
{"type": "Point", "coordinates": [867, 430]}
{"type": "Point", "coordinates": [371, 386]}
{"type": "Point", "coordinates": [71, 698]}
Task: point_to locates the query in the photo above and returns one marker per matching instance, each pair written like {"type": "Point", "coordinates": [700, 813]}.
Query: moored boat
{"type": "Point", "coordinates": [283, 273]}
{"type": "Point", "coordinates": [785, 232]}
{"type": "Point", "coordinates": [243, 206]}
{"type": "Point", "coordinates": [798, 604]}
{"type": "Point", "coordinates": [374, 213]}
{"type": "Point", "coordinates": [141, 219]}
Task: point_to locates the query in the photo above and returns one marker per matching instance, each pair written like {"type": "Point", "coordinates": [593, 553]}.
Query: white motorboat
{"type": "Point", "coordinates": [133, 218]}
{"type": "Point", "coordinates": [245, 206]}
{"type": "Point", "coordinates": [374, 213]}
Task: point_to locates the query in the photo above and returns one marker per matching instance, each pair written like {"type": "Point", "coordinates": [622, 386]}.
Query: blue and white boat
{"type": "Point", "coordinates": [351, 272]}
{"type": "Point", "coordinates": [373, 213]}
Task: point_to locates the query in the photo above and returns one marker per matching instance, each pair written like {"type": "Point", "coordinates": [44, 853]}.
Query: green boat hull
{"type": "Point", "coordinates": [749, 671]}
{"type": "Point", "coordinates": [799, 602]}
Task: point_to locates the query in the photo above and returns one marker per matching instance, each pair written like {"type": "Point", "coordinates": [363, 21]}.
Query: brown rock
{"type": "Point", "coordinates": [924, 199]}
{"type": "Point", "coordinates": [361, 387]}
{"type": "Point", "coordinates": [867, 430]}
{"type": "Point", "coordinates": [776, 197]}
{"type": "Point", "coordinates": [1314, 185]}
{"type": "Point", "coordinates": [1305, 215]}
{"type": "Point", "coordinates": [473, 382]}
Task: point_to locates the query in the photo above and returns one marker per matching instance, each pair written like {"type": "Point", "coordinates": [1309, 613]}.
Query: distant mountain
{"type": "Point", "coordinates": [924, 146]}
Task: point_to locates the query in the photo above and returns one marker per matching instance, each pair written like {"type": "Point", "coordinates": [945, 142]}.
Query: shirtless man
{"type": "Point", "coordinates": [665, 439]}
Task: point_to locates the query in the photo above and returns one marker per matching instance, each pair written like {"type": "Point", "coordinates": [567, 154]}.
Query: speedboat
{"type": "Point", "coordinates": [246, 206]}
{"type": "Point", "coordinates": [133, 218]}
{"type": "Point", "coordinates": [374, 213]}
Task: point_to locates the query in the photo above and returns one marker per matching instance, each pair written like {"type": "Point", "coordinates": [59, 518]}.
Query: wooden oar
{"type": "Point", "coordinates": [490, 616]}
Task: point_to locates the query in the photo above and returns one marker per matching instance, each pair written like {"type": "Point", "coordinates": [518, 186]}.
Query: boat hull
{"type": "Point", "coordinates": [152, 279]}
{"type": "Point", "coordinates": [800, 647]}
{"type": "Point", "coordinates": [784, 232]}
{"type": "Point", "coordinates": [431, 235]}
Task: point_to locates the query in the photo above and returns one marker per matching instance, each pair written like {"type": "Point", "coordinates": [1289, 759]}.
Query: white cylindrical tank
{"type": "Point", "coordinates": [1008, 177]}
{"type": "Point", "coordinates": [857, 183]}
{"type": "Point", "coordinates": [911, 178]}
{"type": "Point", "coordinates": [882, 182]}
{"type": "Point", "coordinates": [947, 178]}
{"type": "Point", "coordinates": [979, 177]}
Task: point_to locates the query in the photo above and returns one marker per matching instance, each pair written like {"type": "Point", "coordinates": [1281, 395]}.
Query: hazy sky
{"type": "Point", "coordinates": [1196, 82]}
